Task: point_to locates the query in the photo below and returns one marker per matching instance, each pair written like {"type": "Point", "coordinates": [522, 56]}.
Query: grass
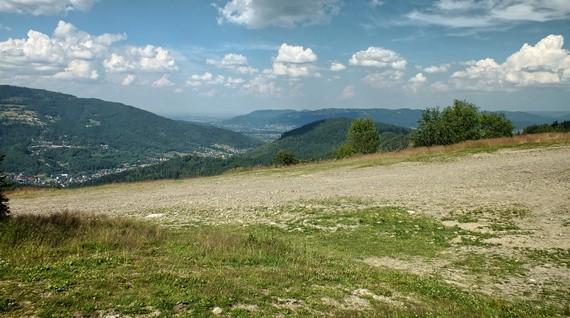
{"type": "Point", "coordinates": [65, 265]}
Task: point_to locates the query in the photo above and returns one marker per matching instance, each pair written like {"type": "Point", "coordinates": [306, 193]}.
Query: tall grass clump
{"type": "Point", "coordinates": [39, 234]}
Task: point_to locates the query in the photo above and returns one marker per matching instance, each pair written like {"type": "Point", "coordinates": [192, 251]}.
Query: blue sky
{"type": "Point", "coordinates": [234, 56]}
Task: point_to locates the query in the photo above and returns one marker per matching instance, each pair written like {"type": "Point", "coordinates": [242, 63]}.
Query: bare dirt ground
{"type": "Point", "coordinates": [481, 187]}
{"type": "Point", "coordinates": [536, 179]}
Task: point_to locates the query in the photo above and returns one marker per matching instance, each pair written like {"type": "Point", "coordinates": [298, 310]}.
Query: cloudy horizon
{"type": "Point", "coordinates": [236, 56]}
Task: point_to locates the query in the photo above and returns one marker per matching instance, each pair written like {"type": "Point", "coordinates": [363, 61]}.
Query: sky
{"type": "Point", "coordinates": [234, 56]}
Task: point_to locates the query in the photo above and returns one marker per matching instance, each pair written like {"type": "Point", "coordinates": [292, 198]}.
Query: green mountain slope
{"type": "Point", "coordinates": [47, 132]}
{"type": "Point", "coordinates": [314, 141]}
{"type": "Point", "coordinates": [319, 140]}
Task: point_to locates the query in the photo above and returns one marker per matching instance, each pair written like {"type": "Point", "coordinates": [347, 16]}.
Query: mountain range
{"type": "Point", "coordinates": [269, 124]}
{"type": "Point", "coordinates": [43, 132]}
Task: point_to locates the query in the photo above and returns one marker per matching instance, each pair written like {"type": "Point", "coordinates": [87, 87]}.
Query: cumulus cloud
{"type": "Point", "coordinates": [295, 61]}
{"type": "Point", "coordinates": [290, 13]}
{"type": "Point", "coordinates": [416, 82]}
{"type": "Point", "coordinates": [128, 80]}
{"type": "Point", "coordinates": [262, 85]}
{"type": "Point", "coordinates": [546, 63]}
{"type": "Point", "coordinates": [475, 14]}
{"type": "Point", "coordinates": [67, 54]}
{"type": "Point", "coordinates": [197, 80]}
{"type": "Point", "coordinates": [72, 54]}
{"type": "Point", "coordinates": [295, 54]}
{"type": "Point", "coordinates": [234, 62]}
{"type": "Point", "coordinates": [432, 69]}
{"type": "Point", "coordinates": [78, 69]}
{"type": "Point", "coordinates": [163, 81]}
{"type": "Point", "coordinates": [337, 67]}
{"type": "Point", "coordinates": [149, 58]}
{"type": "Point", "coordinates": [44, 7]}
{"type": "Point", "coordinates": [378, 57]}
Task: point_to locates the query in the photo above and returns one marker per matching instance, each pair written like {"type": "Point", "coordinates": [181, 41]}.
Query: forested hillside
{"type": "Point", "coordinates": [43, 132]}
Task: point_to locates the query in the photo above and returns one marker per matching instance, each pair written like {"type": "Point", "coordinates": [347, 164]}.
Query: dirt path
{"type": "Point", "coordinates": [538, 179]}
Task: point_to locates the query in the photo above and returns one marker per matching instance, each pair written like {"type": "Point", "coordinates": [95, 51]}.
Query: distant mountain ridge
{"type": "Point", "coordinates": [278, 121]}
{"type": "Point", "coordinates": [53, 133]}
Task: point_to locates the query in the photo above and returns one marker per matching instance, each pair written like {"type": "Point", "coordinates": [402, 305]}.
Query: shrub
{"type": "Point", "coordinates": [344, 151]}
{"type": "Point", "coordinates": [459, 122]}
{"type": "Point", "coordinates": [363, 136]}
{"type": "Point", "coordinates": [494, 125]}
{"type": "Point", "coordinates": [285, 158]}
{"type": "Point", "coordinates": [545, 128]}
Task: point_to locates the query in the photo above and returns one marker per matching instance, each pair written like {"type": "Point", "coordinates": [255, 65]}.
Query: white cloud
{"type": "Point", "coordinates": [432, 69]}
{"type": "Point", "coordinates": [416, 82]}
{"type": "Point", "coordinates": [261, 85]}
{"type": "Point", "coordinates": [295, 54]}
{"type": "Point", "coordinates": [337, 67]}
{"type": "Point", "coordinates": [128, 80]}
{"type": "Point", "coordinates": [72, 54]}
{"type": "Point", "coordinates": [234, 62]}
{"type": "Point", "coordinates": [163, 81]}
{"type": "Point", "coordinates": [546, 63]}
{"type": "Point", "coordinates": [347, 93]}
{"type": "Point", "coordinates": [294, 61]}
{"type": "Point", "coordinates": [78, 69]}
{"type": "Point", "coordinates": [44, 7]}
{"type": "Point", "coordinates": [375, 3]}
{"type": "Point", "coordinates": [149, 58]}
{"type": "Point", "coordinates": [384, 79]}
{"type": "Point", "coordinates": [290, 13]}
{"type": "Point", "coordinates": [68, 53]}
{"type": "Point", "coordinates": [476, 14]}
{"type": "Point", "coordinates": [197, 80]}
{"type": "Point", "coordinates": [378, 57]}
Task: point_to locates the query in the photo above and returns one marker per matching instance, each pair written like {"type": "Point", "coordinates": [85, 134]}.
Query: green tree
{"type": "Point", "coordinates": [494, 125]}
{"type": "Point", "coordinates": [363, 136]}
{"type": "Point", "coordinates": [285, 158]}
{"type": "Point", "coordinates": [459, 122]}
{"type": "Point", "coordinates": [4, 209]}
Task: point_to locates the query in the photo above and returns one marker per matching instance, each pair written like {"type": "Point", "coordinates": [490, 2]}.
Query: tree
{"type": "Point", "coordinates": [285, 158]}
{"type": "Point", "coordinates": [4, 209]}
{"type": "Point", "coordinates": [494, 125]}
{"type": "Point", "coordinates": [363, 136]}
{"type": "Point", "coordinates": [459, 122]}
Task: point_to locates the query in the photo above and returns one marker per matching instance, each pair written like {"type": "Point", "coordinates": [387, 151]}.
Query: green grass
{"type": "Point", "coordinates": [64, 265]}
{"type": "Point", "coordinates": [493, 265]}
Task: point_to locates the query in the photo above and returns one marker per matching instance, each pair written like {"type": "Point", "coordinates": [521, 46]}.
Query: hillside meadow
{"type": "Point", "coordinates": [477, 229]}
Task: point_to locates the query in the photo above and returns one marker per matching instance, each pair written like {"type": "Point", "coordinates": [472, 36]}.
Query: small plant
{"type": "Point", "coordinates": [285, 158]}
{"type": "Point", "coordinates": [4, 209]}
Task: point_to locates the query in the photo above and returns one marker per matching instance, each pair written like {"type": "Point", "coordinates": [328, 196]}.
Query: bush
{"type": "Point", "coordinates": [363, 136]}
{"type": "Point", "coordinates": [344, 151]}
{"type": "Point", "coordinates": [459, 122]}
{"type": "Point", "coordinates": [494, 125]}
{"type": "Point", "coordinates": [285, 158]}
{"type": "Point", "coordinates": [4, 209]}
{"type": "Point", "coordinates": [545, 128]}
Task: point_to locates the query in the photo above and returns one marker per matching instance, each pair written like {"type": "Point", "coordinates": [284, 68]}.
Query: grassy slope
{"type": "Point", "coordinates": [64, 265]}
